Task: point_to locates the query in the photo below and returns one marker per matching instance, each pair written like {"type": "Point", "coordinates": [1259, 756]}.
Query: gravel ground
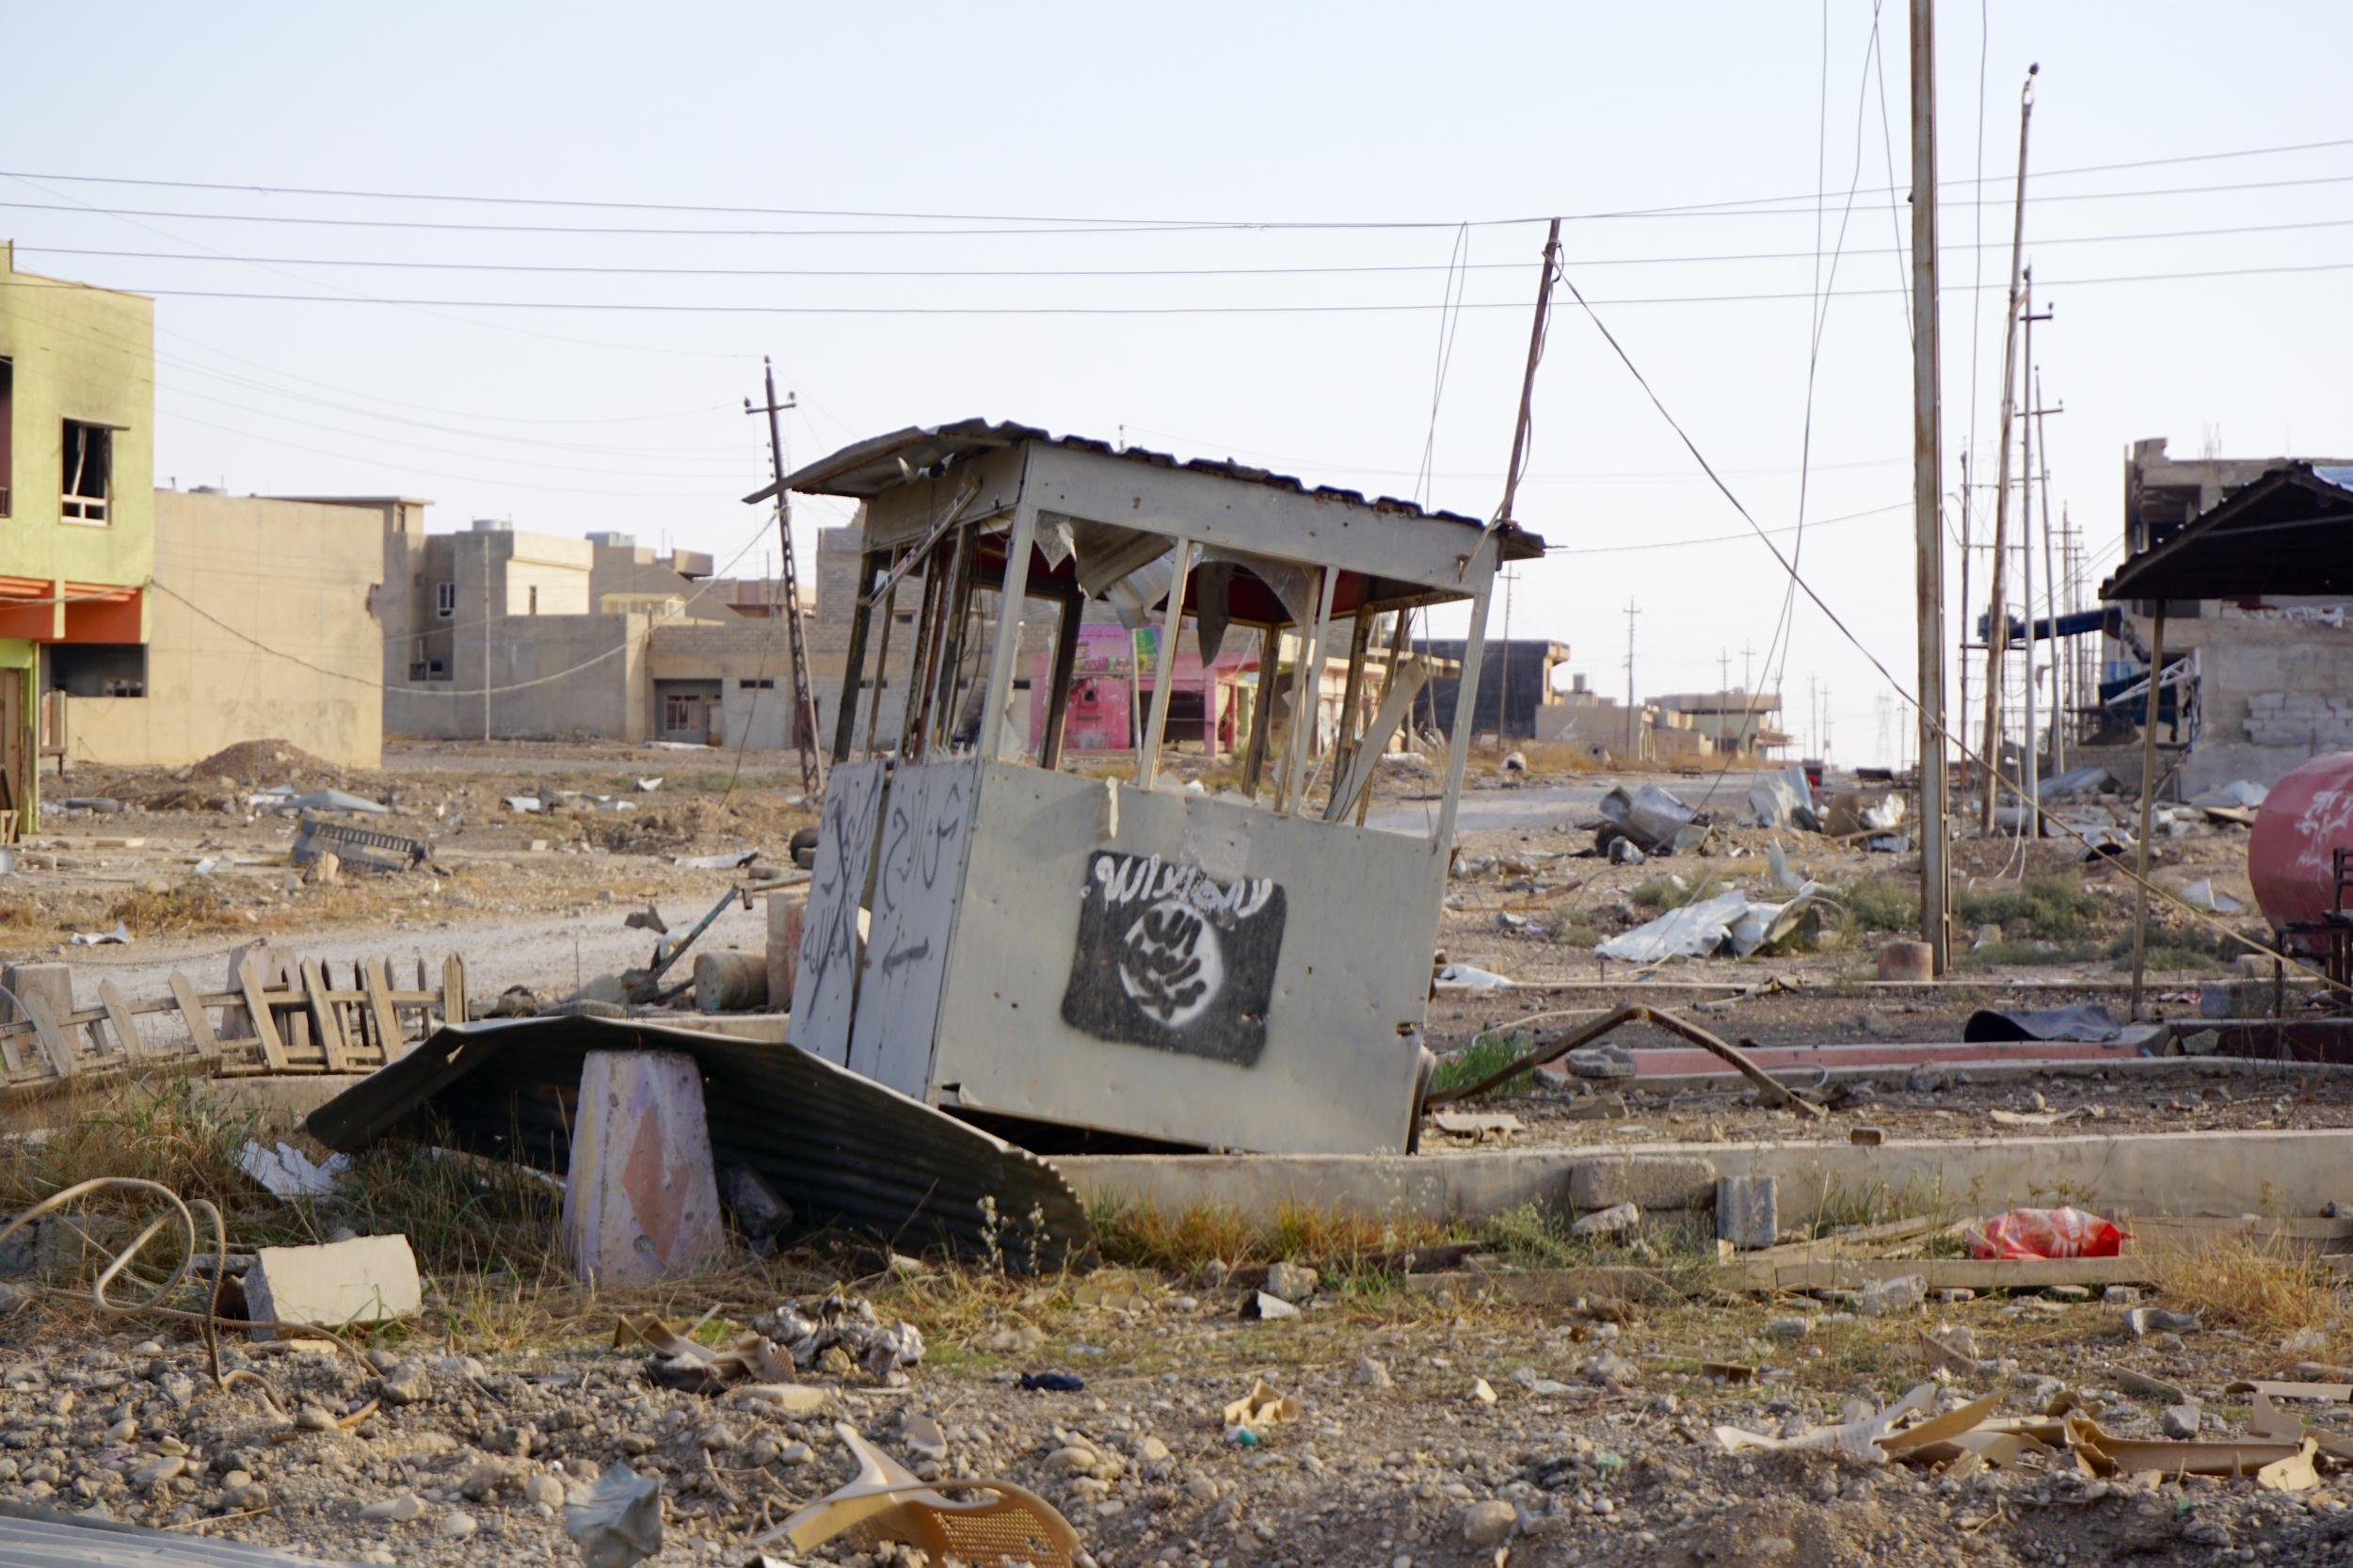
{"type": "Point", "coordinates": [1596, 1445]}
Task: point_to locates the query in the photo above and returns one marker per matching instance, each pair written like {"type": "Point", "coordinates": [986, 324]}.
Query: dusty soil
{"type": "Point", "coordinates": [530, 898]}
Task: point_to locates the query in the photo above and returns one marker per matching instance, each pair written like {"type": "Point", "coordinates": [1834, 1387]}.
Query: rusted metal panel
{"type": "Point", "coordinates": [1306, 1038]}
{"type": "Point", "coordinates": [925, 836]}
{"type": "Point", "coordinates": [841, 1149]}
{"type": "Point", "coordinates": [824, 987]}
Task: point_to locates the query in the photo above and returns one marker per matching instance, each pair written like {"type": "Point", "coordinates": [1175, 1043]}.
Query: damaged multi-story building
{"type": "Point", "coordinates": [2253, 683]}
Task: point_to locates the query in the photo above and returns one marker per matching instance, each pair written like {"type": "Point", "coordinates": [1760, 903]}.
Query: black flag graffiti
{"type": "Point", "coordinates": [1172, 958]}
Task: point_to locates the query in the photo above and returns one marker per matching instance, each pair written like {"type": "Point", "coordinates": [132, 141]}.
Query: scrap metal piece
{"type": "Point", "coordinates": [363, 847]}
{"type": "Point", "coordinates": [840, 1149]}
{"type": "Point", "coordinates": [619, 1521]}
{"type": "Point", "coordinates": [36, 1537]}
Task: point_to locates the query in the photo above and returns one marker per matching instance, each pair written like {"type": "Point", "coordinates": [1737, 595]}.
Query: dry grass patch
{"type": "Point", "coordinates": [2259, 1287]}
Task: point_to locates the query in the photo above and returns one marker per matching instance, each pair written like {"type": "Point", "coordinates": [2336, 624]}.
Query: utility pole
{"type": "Point", "coordinates": [1633, 746]}
{"type": "Point", "coordinates": [488, 617]}
{"type": "Point", "coordinates": [1724, 669]}
{"type": "Point", "coordinates": [1928, 461]}
{"type": "Point", "coordinates": [803, 734]}
{"type": "Point", "coordinates": [1747, 671]}
{"type": "Point", "coordinates": [2028, 428]}
{"type": "Point", "coordinates": [1503, 674]}
{"type": "Point", "coordinates": [1998, 624]}
{"type": "Point", "coordinates": [1813, 716]}
{"type": "Point", "coordinates": [2059, 712]}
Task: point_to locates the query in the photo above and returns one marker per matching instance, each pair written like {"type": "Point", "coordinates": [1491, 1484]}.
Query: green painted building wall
{"type": "Point", "coordinates": [82, 353]}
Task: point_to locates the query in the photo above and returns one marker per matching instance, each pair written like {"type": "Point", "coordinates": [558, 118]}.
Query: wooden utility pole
{"type": "Point", "coordinates": [804, 735]}
{"type": "Point", "coordinates": [1997, 623]}
{"type": "Point", "coordinates": [1927, 457]}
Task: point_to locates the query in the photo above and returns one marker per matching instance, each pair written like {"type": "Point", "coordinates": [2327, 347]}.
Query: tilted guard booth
{"type": "Point", "coordinates": [1241, 968]}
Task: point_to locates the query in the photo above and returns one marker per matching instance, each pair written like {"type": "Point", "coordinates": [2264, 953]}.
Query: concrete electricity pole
{"type": "Point", "coordinates": [1633, 746]}
{"type": "Point", "coordinates": [1927, 457]}
{"type": "Point", "coordinates": [1997, 622]}
{"type": "Point", "coordinates": [1724, 669]}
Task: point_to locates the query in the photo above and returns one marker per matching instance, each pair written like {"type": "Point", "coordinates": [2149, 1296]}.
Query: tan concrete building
{"type": "Point", "coordinates": [506, 633]}
{"type": "Point", "coordinates": [261, 626]}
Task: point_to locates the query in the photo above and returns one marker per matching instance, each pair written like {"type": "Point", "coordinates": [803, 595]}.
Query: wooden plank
{"type": "Point", "coordinates": [382, 1013]}
{"type": "Point", "coordinates": [264, 1026]}
{"type": "Point", "coordinates": [54, 1043]}
{"type": "Point", "coordinates": [330, 1026]}
{"type": "Point", "coordinates": [127, 1037]}
{"type": "Point", "coordinates": [197, 1022]}
{"type": "Point", "coordinates": [454, 990]}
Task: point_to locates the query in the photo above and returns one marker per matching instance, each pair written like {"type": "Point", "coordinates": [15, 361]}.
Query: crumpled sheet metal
{"type": "Point", "coordinates": [1649, 815]}
{"type": "Point", "coordinates": [1729, 920]}
{"type": "Point", "coordinates": [840, 1149]}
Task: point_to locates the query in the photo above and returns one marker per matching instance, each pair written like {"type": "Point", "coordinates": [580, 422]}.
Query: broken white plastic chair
{"type": "Point", "coordinates": [884, 1501]}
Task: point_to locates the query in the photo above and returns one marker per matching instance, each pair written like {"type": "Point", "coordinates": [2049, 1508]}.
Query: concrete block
{"type": "Point", "coordinates": [2234, 999]}
{"type": "Point", "coordinates": [52, 982]}
{"type": "Point", "coordinates": [641, 1202]}
{"type": "Point", "coordinates": [784, 914]}
{"type": "Point", "coordinates": [1913, 961]}
{"type": "Point", "coordinates": [1671, 1182]}
{"type": "Point", "coordinates": [368, 1279]}
{"type": "Point", "coordinates": [1747, 1211]}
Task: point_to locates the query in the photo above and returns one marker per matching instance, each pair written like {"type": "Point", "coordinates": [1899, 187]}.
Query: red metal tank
{"type": "Point", "coordinates": [2307, 815]}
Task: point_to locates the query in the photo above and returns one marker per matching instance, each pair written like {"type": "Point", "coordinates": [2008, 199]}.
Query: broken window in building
{"type": "Point", "coordinates": [7, 430]}
{"type": "Point", "coordinates": [535, 600]}
{"type": "Point", "coordinates": [89, 472]}
{"type": "Point", "coordinates": [94, 670]}
{"type": "Point", "coordinates": [765, 683]}
{"type": "Point", "coordinates": [444, 600]}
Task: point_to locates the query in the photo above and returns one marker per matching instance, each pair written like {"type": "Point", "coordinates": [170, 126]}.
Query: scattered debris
{"type": "Point", "coordinates": [2088, 1021]}
{"type": "Point", "coordinates": [122, 932]}
{"type": "Point", "coordinates": [287, 1172]}
{"type": "Point", "coordinates": [1051, 1383]}
{"type": "Point", "coordinates": [1259, 1409]}
{"type": "Point", "coordinates": [1656, 820]}
{"type": "Point", "coordinates": [617, 1521]}
{"type": "Point", "coordinates": [1467, 977]}
{"type": "Point", "coordinates": [885, 1500]}
{"type": "Point", "coordinates": [368, 1279]}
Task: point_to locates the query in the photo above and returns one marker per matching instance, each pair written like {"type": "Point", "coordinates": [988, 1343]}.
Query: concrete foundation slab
{"type": "Point", "coordinates": [2172, 1172]}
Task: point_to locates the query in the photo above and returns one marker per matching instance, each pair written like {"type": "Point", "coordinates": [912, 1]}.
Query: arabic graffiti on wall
{"type": "Point", "coordinates": [1169, 958]}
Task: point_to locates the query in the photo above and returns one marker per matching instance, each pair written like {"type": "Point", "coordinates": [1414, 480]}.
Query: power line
{"type": "Point", "coordinates": [1359, 269]}
{"type": "Point", "coordinates": [675, 308]}
{"type": "Point", "coordinates": [262, 188]}
{"type": "Point", "coordinates": [1746, 208]}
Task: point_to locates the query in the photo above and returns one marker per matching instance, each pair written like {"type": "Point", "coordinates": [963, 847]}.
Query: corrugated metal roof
{"type": "Point", "coordinates": [2290, 532]}
{"type": "Point", "coordinates": [870, 466]}
{"type": "Point", "coordinates": [32, 1537]}
{"type": "Point", "coordinates": [840, 1149]}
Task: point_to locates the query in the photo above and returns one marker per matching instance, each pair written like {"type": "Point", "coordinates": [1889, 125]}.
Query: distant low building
{"type": "Point", "coordinates": [504, 633]}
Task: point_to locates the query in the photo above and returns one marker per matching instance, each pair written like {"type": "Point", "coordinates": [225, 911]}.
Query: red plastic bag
{"type": "Point", "coordinates": [2025, 1232]}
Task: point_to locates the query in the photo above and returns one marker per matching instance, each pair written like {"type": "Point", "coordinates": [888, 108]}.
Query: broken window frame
{"type": "Point", "coordinates": [8, 432]}
{"type": "Point", "coordinates": [939, 527]}
{"type": "Point", "coordinates": [79, 439]}
{"type": "Point", "coordinates": [445, 601]}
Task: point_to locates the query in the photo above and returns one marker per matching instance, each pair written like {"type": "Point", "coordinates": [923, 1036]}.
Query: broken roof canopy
{"type": "Point", "coordinates": [2290, 532]}
{"type": "Point", "coordinates": [868, 468]}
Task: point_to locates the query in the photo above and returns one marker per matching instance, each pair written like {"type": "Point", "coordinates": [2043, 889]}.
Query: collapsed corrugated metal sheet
{"type": "Point", "coordinates": [32, 1537]}
{"type": "Point", "coordinates": [840, 1149]}
{"type": "Point", "coordinates": [872, 466]}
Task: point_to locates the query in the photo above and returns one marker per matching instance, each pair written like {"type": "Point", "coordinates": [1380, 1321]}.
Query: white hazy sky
{"type": "Point", "coordinates": [1389, 124]}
